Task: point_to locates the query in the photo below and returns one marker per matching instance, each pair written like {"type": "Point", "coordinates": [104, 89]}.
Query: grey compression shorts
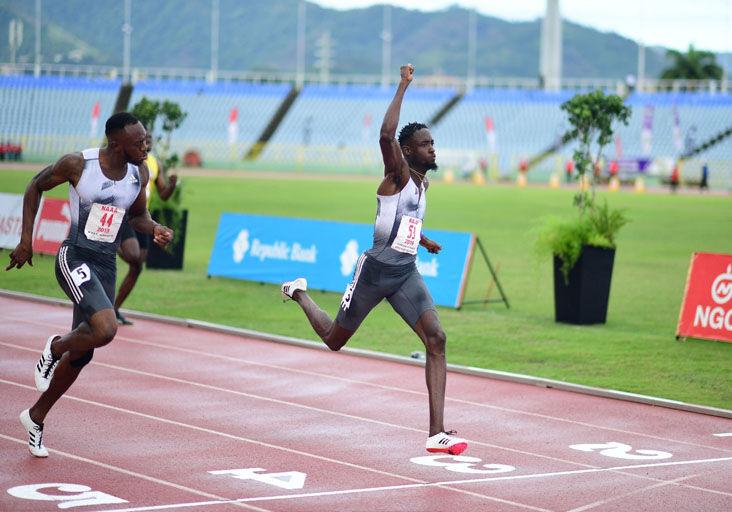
{"type": "Point", "coordinates": [87, 280]}
{"type": "Point", "coordinates": [401, 285]}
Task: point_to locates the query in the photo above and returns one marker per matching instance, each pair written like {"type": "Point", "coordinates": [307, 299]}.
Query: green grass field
{"type": "Point", "coordinates": [635, 351]}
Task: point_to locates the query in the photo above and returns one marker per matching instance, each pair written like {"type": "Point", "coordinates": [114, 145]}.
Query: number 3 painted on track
{"type": "Point", "coordinates": [462, 464]}
{"type": "Point", "coordinates": [621, 451]}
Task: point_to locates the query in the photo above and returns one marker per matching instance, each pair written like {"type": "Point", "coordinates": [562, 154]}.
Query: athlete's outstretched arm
{"type": "Point", "coordinates": [394, 164]}
{"type": "Point", "coordinates": [67, 168]}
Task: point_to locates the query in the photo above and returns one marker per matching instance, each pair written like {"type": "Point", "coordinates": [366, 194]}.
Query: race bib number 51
{"type": "Point", "coordinates": [103, 222]}
{"type": "Point", "coordinates": [408, 236]}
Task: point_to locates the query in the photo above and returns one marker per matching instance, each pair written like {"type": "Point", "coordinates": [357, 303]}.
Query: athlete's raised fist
{"type": "Point", "coordinates": [406, 72]}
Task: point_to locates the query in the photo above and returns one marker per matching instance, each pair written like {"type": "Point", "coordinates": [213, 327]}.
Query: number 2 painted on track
{"type": "Point", "coordinates": [462, 464]}
{"type": "Point", "coordinates": [283, 480]}
{"type": "Point", "coordinates": [622, 451]}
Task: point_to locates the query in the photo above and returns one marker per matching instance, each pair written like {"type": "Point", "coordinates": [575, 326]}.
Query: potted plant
{"type": "Point", "coordinates": [583, 247]}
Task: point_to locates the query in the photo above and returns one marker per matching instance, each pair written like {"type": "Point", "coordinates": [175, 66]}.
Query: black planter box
{"type": "Point", "coordinates": [172, 256]}
{"type": "Point", "coordinates": [584, 299]}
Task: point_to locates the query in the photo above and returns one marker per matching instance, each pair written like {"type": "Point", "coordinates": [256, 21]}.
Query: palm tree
{"type": "Point", "coordinates": [692, 65]}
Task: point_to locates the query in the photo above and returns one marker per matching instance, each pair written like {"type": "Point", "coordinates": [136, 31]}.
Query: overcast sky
{"type": "Point", "coordinates": [707, 24]}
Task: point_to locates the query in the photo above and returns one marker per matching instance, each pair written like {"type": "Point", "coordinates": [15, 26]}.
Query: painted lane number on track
{"type": "Point", "coordinates": [622, 451]}
{"type": "Point", "coordinates": [284, 480]}
{"type": "Point", "coordinates": [78, 495]}
{"type": "Point", "coordinates": [462, 464]}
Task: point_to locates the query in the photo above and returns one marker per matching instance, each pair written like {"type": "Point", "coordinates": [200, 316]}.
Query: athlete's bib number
{"type": "Point", "coordinates": [408, 236]}
{"type": "Point", "coordinates": [103, 222]}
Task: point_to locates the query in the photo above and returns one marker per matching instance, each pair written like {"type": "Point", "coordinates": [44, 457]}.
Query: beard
{"type": "Point", "coordinates": [432, 166]}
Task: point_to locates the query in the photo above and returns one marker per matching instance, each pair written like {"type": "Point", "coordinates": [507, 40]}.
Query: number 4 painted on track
{"type": "Point", "coordinates": [284, 480]}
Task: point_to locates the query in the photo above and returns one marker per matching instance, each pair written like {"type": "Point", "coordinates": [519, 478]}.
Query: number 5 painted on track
{"type": "Point", "coordinates": [78, 495]}
{"type": "Point", "coordinates": [622, 451]}
{"type": "Point", "coordinates": [284, 480]}
{"type": "Point", "coordinates": [461, 464]}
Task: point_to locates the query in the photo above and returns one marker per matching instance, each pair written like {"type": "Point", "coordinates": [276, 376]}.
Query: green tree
{"type": "Point", "coordinates": [148, 112]}
{"type": "Point", "coordinates": [692, 65]}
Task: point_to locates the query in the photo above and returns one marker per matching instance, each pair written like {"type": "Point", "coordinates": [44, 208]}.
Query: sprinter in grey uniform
{"type": "Point", "coordinates": [388, 270]}
{"type": "Point", "coordinates": [104, 184]}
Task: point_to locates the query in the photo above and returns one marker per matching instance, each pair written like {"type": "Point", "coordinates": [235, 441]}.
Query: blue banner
{"type": "Point", "coordinates": [277, 249]}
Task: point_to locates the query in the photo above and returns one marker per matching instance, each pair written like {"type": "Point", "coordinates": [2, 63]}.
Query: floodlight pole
{"type": "Point", "coordinates": [472, 48]}
{"type": "Point", "coordinates": [126, 42]}
{"type": "Point", "coordinates": [386, 47]}
{"type": "Point", "coordinates": [300, 74]}
{"type": "Point", "coordinates": [214, 41]}
{"type": "Point", "coordinates": [37, 65]}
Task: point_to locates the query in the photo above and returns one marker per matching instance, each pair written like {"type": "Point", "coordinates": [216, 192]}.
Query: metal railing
{"type": "Point", "coordinates": [460, 83]}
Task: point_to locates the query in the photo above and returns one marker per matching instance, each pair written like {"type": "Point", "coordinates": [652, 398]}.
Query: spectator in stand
{"type": "Point", "coordinates": [704, 182]}
{"type": "Point", "coordinates": [569, 167]}
{"type": "Point", "coordinates": [675, 178]}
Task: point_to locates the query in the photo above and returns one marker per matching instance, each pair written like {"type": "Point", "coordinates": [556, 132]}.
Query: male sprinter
{"type": "Point", "coordinates": [388, 270]}
{"type": "Point", "coordinates": [104, 183]}
{"type": "Point", "coordinates": [134, 244]}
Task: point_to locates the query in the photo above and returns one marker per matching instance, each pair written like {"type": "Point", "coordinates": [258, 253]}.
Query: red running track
{"type": "Point", "coordinates": [169, 417]}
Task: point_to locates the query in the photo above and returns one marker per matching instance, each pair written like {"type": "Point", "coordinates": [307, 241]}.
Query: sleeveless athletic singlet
{"type": "Point", "coordinates": [98, 205]}
{"type": "Point", "coordinates": [398, 224]}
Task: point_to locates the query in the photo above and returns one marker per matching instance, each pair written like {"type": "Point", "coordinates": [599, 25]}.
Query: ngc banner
{"type": "Point", "coordinates": [706, 311]}
{"type": "Point", "coordinates": [277, 249]}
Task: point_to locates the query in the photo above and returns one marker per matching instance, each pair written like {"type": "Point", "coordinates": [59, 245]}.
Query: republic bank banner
{"type": "Point", "coordinates": [276, 249]}
{"type": "Point", "coordinates": [50, 228]}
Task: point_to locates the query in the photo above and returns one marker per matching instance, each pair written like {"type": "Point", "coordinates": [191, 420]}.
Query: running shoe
{"type": "Point", "coordinates": [35, 435]}
{"type": "Point", "coordinates": [290, 287]}
{"type": "Point", "coordinates": [446, 442]}
{"type": "Point", "coordinates": [121, 320]}
{"type": "Point", "coordinates": [46, 366]}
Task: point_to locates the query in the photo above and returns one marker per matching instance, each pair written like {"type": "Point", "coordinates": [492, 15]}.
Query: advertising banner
{"type": "Point", "coordinates": [11, 219]}
{"type": "Point", "coordinates": [706, 311]}
{"type": "Point", "coordinates": [276, 249]}
{"type": "Point", "coordinates": [52, 225]}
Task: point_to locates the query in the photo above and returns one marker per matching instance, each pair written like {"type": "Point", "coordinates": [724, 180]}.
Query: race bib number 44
{"type": "Point", "coordinates": [408, 236]}
{"type": "Point", "coordinates": [103, 222]}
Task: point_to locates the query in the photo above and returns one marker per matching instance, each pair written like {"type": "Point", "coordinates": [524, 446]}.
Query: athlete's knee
{"type": "Point", "coordinates": [136, 267]}
{"type": "Point", "coordinates": [336, 340]}
{"type": "Point", "coordinates": [80, 361]}
{"type": "Point", "coordinates": [104, 332]}
{"type": "Point", "coordinates": [436, 341]}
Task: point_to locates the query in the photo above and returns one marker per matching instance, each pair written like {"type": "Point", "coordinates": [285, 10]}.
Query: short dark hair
{"type": "Point", "coordinates": [406, 133]}
{"type": "Point", "coordinates": [118, 122]}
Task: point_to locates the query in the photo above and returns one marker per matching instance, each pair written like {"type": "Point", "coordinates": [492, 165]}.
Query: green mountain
{"type": "Point", "coordinates": [261, 35]}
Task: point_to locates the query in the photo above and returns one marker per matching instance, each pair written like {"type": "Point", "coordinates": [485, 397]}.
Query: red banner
{"type": "Point", "coordinates": [52, 225]}
{"type": "Point", "coordinates": [707, 308]}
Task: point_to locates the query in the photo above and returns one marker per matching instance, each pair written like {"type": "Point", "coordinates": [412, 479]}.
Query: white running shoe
{"type": "Point", "coordinates": [446, 442]}
{"type": "Point", "coordinates": [46, 366]}
{"type": "Point", "coordinates": [290, 287]}
{"type": "Point", "coordinates": [35, 435]}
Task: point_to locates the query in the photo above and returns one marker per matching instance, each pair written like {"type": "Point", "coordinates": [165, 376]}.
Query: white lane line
{"type": "Point", "coordinates": [127, 472]}
{"type": "Point", "coordinates": [723, 434]}
{"type": "Point", "coordinates": [268, 445]}
{"type": "Point", "coordinates": [310, 408]}
{"type": "Point", "coordinates": [222, 434]}
{"type": "Point", "coordinates": [380, 386]}
{"type": "Point", "coordinates": [600, 503]}
{"type": "Point", "coordinates": [437, 484]}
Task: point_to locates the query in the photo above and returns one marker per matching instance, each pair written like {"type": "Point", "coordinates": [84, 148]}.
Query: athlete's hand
{"type": "Point", "coordinates": [23, 253]}
{"type": "Point", "coordinates": [162, 235]}
{"type": "Point", "coordinates": [431, 246]}
{"type": "Point", "coordinates": [406, 72]}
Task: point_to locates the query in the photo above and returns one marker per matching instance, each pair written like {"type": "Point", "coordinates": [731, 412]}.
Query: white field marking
{"type": "Point", "coordinates": [187, 382]}
{"type": "Point", "coordinates": [599, 503]}
{"type": "Point", "coordinates": [224, 434]}
{"type": "Point", "coordinates": [381, 386]}
{"type": "Point", "coordinates": [127, 472]}
{"type": "Point", "coordinates": [723, 434]}
{"type": "Point", "coordinates": [307, 407]}
{"type": "Point", "coordinates": [268, 445]}
{"type": "Point", "coordinates": [324, 411]}
{"type": "Point", "coordinates": [437, 484]}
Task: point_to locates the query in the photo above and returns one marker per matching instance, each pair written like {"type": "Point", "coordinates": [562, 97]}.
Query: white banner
{"type": "Point", "coordinates": [11, 219]}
